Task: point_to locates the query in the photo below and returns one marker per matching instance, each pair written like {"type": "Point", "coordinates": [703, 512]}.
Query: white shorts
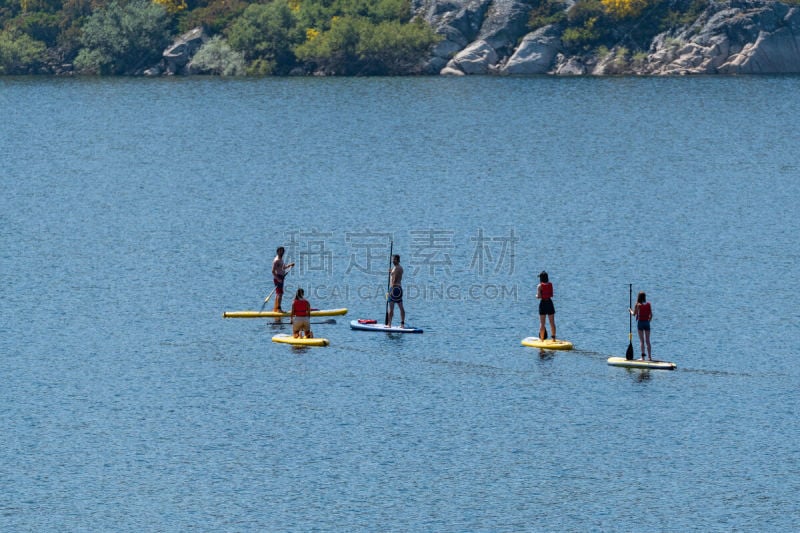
{"type": "Point", "coordinates": [300, 323]}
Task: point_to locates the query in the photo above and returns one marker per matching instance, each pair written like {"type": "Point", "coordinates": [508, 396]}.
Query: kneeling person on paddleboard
{"type": "Point", "coordinates": [301, 316]}
{"type": "Point", "coordinates": [643, 312]}
{"type": "Point", "coordinates": [544, 293]}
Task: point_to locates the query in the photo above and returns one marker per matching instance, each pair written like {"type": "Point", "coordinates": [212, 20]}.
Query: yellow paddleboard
{"type": "Point", "coordinates": [299, 341]}
{"type": "Point", "coordinates": [547, 344]}
{"type": "Point", "coordinates": [273, 314]}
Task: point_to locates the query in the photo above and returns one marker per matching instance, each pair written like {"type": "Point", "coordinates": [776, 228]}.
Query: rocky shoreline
{"type": "Point", "coordinates": [491, 37]}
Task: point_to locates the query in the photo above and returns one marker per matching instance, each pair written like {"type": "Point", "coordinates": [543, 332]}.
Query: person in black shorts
{"type": "Point", "coordinates": [396, 291]}
{"type": "Point", "coordinates": [544, 292]}
{"type": "Point", "coordinates": [643, 311]}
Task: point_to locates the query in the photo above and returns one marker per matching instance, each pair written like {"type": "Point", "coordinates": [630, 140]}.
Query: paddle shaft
{"type": "Point", "coordinates": [629, 352]}
{"type": "Point", "coordinates": [389, 283]}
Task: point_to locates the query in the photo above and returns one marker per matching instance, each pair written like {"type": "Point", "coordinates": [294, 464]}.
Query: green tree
{"type": "Point", "coordinates": [123, 39]}
{"type": "Point", "coordinates": [217, 57]}
{"type": "Point", "coordinates": [40, 26]}
{"type": "Point", "coordinates": [392, 48]}
{"type": "Point", "coordinates": [334, 51]}
{"type": "Point", "coordinates": [215, 16]}
{"type": "Point", "coordinates": [624, 8]}
{"type": "Point", "coordinates": [266, 34]}
{"type": "Point", "coordinates": [358, 46]}
{"type": "Point", "coordinates": [374, 10]}
{"type": "Point", "coordinates": [19, 53]}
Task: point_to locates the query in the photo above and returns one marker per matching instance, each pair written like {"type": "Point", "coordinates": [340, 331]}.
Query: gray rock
{"type": "Point", "coordinates": [761, 37]}
{"type": "Point", "coordinates": [729, 37]}
{"type": "Point", "coordinates": [467, 24]}
{"type": "Point", "coordinates": [450, 71]}
{"type": "Point", "coordinates": [569, 66]}
{"type": "Point", "coordinates": [181, 51]}
{"type": "Point", "coordinates": [504, 24]}
{"type": "Point", "coordinates": [535, 53]}
{"type": "Point", "coordinates": [477, 58]}
{"type": "Point", "coordinates": [457, 21]}
{"type": "Point", "coordinates": [776, 52]}
{"type": "Point", "coordinates": [153, 71]}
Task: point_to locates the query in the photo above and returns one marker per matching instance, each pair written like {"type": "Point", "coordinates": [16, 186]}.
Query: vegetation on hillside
{"type": "Point", "coordinates": [602, 24]}
{"type": "Point", "coordinates": [278, 37]}
{"type": "Point", "coordinates": [353, 37]}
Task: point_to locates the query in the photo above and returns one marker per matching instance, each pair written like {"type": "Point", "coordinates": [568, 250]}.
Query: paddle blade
{"type": "Point", "coordinates": [629, 351]}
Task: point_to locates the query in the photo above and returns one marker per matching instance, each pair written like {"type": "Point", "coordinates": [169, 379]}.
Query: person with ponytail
{"type": "Point", "coordinates": [544, 292]}
{"type": "Point", "coordinates": [643, 312]}
{"type": "Point", "coordinates": [301, 316]}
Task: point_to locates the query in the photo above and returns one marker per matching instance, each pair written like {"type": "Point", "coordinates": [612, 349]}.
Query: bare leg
{"type": "Point", "coordinates": [641, 340]}
{"type": "Point", "coordinates": [553, 326]}
{"type": "Point", "coordinates": [278, 298]}
{"type": "Point", "coordinates": [542, 330]}
{"type": "Point", "coordinates": [402, 314]}
{"type": "Point", "coordinates": [647, 341]}
{"type": "Point", "coordinates": [391, 313]}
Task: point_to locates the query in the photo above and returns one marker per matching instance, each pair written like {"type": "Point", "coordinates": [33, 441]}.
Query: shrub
{"type": "Point", "coordinates": [356, 45]}
{"type": "Point", "coordinates": [547, 12]}
{"type": "Point", "coordinates": [217, 57]}
{"type": "Point", "coordinates": [393, 48]}
{"type": "Point", "coordinates": [334, 50]}
{"type": "Point", "coordinates": [19, 53]}
{"type": "Point", "coordinates": [620, 9]}
{"type": "Point", "coordinates": [123, 39]}
{"type": "Point", "coordinates": [40, 26]}
{"type": "Point", "coordinates": [266, 33]}
{"type": "Point", "coordinates": [215, 16]}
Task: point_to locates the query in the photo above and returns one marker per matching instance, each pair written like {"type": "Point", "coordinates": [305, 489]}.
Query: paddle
{"type": "Point", "coordinates": [629, 351]}
{"type": "Point", "coordinates": [388, 284]}
{"type": "Point", "coordinates": [273, 291]}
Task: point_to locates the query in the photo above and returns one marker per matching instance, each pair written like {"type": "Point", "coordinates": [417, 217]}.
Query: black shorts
{"type": "Point", "coordinates": [396, 295]}
{"type": "Point", "coordinates": [546, 307]}
{"type": "Point", "coordinates": [643, 325]}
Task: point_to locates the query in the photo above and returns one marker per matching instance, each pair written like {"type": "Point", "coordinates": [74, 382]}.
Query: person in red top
{"type": "Point", "coordinates": [544, 292]}
{"type": "Point", "coordinates": [643, 312]}
{"type": "Point", "coordinates": [301, 314]}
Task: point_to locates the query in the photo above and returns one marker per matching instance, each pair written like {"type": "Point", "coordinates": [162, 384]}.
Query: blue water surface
{"type": "Point", "coordinates": [133, 213]}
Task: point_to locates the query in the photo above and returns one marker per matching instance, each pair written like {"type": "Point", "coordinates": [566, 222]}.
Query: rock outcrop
{"type": "Point", "coordinates": [476, 33]}
{"type": "Point", "coordinates": [743, 38]}
{"type": "Point", "coordinates": [536, 53]}
{"type": "Point", "coordinates": [491, 37]}
{"type": "Point", "coordinates": [178, 55]}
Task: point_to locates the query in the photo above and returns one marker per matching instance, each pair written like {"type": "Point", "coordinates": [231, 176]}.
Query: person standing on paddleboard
{"type": "Point", "coordinates": [301, 315]}
{"type": "Point", "coordinates": [544, 292]}
{"type": "Point", "coordinates": [643, 312]}
{"type": "Point", "coordinates": [279, 270]}
{"type": "Point", "coordinates": [396, 291]}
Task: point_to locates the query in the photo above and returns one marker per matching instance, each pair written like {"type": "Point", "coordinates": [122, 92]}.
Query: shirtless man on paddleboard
{"type": "Point", "coordinates": [279, 271]}
{"type": "Point", "coordinates": [396, 291]}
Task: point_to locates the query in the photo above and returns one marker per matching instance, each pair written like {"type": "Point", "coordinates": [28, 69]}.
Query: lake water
{"type": "Point", "coordinates": [133, 213]}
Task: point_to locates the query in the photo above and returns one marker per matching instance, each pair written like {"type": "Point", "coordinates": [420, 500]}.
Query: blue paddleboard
{"type": "Point", "coordinates": [365, 326]}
